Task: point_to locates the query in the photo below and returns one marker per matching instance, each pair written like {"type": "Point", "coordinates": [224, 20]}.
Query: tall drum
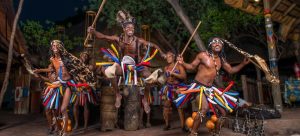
{"type": "Point", "coordinates": [108, 112]}
{"type": "Point", "coordinates": [132, 108]}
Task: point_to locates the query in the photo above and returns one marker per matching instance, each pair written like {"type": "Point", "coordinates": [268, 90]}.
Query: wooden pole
{"type": "Point", "coordinates": [272, 55]}
{"type": "Point", "coordinates": [245, 88]}
{"type": "Point", "coordinates": [259, 86]}
{"type": "Point", "coordinates": [187, 44]}
{"type": "Point", "coordinates": [95, 20]}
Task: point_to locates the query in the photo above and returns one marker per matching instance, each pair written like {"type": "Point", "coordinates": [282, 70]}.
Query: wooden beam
{"type": "Point", "coordinates": [289, 9]}
{"type": "Point", "coordinates": [245, 88]}
{"type": "Point", "coordinates": [259, 86]}
{"type": "Point", "coordinates": [275, 5]}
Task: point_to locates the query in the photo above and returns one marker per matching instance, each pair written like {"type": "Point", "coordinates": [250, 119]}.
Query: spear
{"type": "Point", "coordinates": [187, 44]}
{"type": "Point", "coordinates": [95, 20]}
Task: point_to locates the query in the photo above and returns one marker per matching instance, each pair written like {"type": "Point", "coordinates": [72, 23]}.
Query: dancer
{"type": "Point", "coordinates": [67, 67]}
{"type": "Point", "coordinates": [208, 64]}
{"type": "Point", "coordinates": [130, 47]}
{"type": "Point", "coordinates": [174, 81]}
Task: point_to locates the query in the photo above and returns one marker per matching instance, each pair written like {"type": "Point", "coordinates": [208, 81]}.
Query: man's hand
{"type": "Point", "coordinates": [246, 61]}
{"type": "Point", "coordinates": [36, 71]}
{"type": "Point", "coordinates": [91, 30]}
{"type": "Point", "coordinates": [180, 59]}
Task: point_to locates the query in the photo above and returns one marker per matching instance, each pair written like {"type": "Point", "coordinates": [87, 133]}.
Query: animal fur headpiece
{"type": "Point", "coordinates": [124, 18]}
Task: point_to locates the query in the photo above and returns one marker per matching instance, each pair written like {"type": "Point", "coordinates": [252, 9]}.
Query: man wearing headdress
{"type": "Point", "coordinates": [208, 64]}
{"type": "Point", "coordinates": [69, 70]}
{"type": "Point", "coordinates": [129, 45]}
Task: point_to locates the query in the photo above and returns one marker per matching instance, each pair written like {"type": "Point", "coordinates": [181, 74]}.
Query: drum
{"type": "Point", "coordinates": [132, 108]}
{"type": "Point", "coordinates": [108, 111]}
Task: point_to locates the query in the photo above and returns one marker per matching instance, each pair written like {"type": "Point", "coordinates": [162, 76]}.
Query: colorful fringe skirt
{"type": "Point", "coordinates": [212, 95]}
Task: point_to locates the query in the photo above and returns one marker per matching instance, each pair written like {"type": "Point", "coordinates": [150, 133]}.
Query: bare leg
{"type": "Point", "coordinates": [55, 114]}
{"type": "Point", "coordinates": [86, 115]}
{"type": "Point", "coordinates": [198, 118]}
{"type": "Point", "coordinates": [76, 113]}
{"type": "Point", "coordinates": [114, 83]}
{"type": "Point", "coordinates": [220, 122]}
{"type": "Point", "coordinates": [144, 101]}
{"type": "Point", "coordinates": [145, 73]}
{"type": "Point", "coordinates": [181, 116]}
{"type": "Point", "coordinates": [148, 120]}
{"type": "Point", "coordinates": [166, 113]}
{"type": "Point", "coordinates": [64, 107]}
{"type": "Point", "coordinates": [49, 117]}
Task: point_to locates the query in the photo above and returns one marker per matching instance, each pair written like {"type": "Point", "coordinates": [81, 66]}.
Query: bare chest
{"type": "Point", "coordinates": [212, 63]}
{"type": "Point", "coordinates": [129, 49]}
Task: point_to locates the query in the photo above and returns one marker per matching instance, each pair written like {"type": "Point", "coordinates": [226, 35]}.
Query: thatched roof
{"type": "Point", "coordinates": [284, 12]}
{"type": "Point", "coordinates": [7, 14]}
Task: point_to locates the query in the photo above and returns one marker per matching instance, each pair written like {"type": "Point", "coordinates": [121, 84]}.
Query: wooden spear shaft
{"type": "Point", "coordinates": [187, 44]}
{"type": "Point", "coordinates": [95, 20]}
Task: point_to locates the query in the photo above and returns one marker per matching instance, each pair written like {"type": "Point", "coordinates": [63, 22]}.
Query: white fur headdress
{"type": "Point", "coordinates": [124, 18]}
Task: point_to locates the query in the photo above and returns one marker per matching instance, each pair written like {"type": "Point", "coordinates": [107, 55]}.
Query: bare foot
{"type": "Point", "coordinates": [146, 105]}
{"type": "Point", "coordinates": [193, 133]}
{"type": "Point", "coordinates": [85, 130]}
{"type": "Point", "coordinates": [118, 100]}
{"type": "Point", "coordinates": [166, 128]}
{"type": "Point", "coordinates": [65, 134]}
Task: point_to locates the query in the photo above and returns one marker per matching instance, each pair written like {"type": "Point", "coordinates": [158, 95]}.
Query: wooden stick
{"type": "Point", "coordinates": [187, 44]}
{"type": "Point", "coordinates": [95, 20]}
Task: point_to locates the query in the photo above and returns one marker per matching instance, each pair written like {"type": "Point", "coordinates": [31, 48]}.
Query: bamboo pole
{"type": "Point", "coordinates": [10, 52]}
{"type": "Point", "coordinates": [95, 20]}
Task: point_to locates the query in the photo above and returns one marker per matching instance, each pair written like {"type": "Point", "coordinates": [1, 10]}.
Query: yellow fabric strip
{"type": "Point", "coordinates": [104, 63]}
{"type": "Point", "coordinates": [114, 49]}
{"type": "Point", "coordinates": [74, 98]}
{"type": "Point", "coordinates": [152, 56]}
{"type": "Point", "coordinates": [200, 99]}
{"type": "Point", "coordinates": [129, 80]}
{"type": "Point", "coordinates": [60, 90]}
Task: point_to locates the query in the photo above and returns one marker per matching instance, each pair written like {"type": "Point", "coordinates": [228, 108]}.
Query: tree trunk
{"type": "Point", "coordinates": [186, 21]}
{"type": "Point", "coordinates": [10, 51]}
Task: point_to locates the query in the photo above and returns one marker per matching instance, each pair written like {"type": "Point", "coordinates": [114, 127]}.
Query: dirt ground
{"type": "Point", "coordinates": [35, 125]}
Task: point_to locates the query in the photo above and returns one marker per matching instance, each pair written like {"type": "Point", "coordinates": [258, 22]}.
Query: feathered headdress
{"type": "Point", "coordinates": [124, 18]}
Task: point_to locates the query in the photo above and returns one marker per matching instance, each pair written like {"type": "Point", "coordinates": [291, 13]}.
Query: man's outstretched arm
{"type": "Point", "coordinates": [100, 35]}
{"type": "Point", "coordinates": [192, 66]}
{"type": "Point", "coordinates": [232, 70]}
{"type": "Point", "coordinates": [146, 43]}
